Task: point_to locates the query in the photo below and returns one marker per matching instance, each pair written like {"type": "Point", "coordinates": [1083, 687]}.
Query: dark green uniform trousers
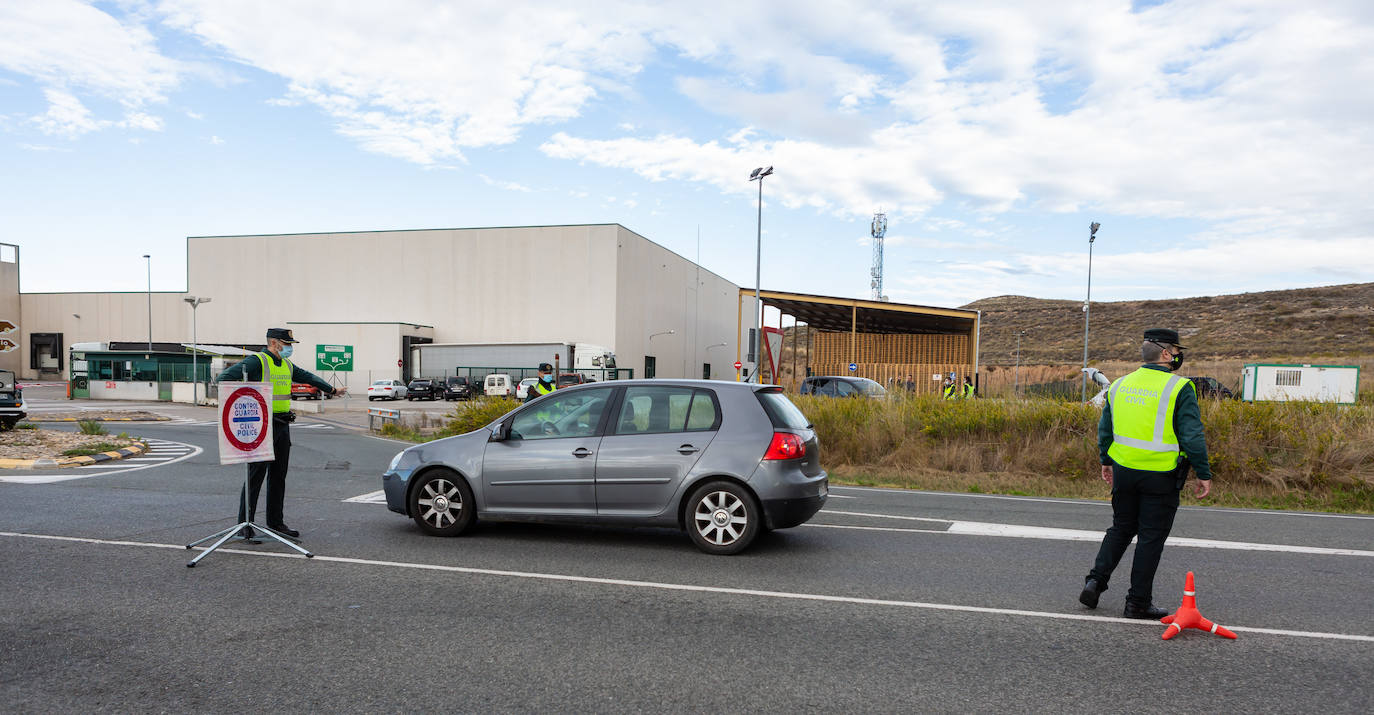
{"type": "Point", "coordinates": [275, 472]}
{"type": "Point", "coordinates": [1143, 505]}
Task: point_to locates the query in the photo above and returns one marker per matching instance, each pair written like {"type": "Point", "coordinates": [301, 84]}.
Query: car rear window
{"type": "Point", "coordinates": [781, 411]}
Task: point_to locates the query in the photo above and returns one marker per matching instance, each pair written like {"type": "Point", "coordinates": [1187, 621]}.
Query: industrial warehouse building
{"type": "Point", "coordinates": [384, 292]}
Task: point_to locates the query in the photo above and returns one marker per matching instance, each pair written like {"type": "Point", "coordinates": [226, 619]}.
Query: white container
{"type": "Point", "coordinates": [1318, 383]}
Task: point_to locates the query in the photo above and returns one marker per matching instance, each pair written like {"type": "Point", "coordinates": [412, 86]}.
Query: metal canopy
{"type": "Point", "coordinates": [869, 316]}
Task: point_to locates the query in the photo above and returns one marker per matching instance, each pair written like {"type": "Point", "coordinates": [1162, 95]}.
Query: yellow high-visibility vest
{"type": "Point", "coordinates": [280, 377]}
{"type": "Point", "coordinates": [1142, 406]}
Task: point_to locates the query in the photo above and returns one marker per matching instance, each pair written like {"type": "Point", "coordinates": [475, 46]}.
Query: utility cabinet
{"type": "Point", "coordinates": [1318, 383]}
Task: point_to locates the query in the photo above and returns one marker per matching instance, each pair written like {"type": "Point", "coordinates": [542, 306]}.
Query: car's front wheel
{"type": "Point", "coordinates": [722, 518]}
{"type": "Point", "coordinates": [441, 503]}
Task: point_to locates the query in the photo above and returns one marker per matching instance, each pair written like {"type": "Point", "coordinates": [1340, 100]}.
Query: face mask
{"type": "Point", "coordinates": [1176, 362]}
{"type": "Point", "coordinates": [546, 378]}
{"type": "Point", "coordinates": [286, 351]}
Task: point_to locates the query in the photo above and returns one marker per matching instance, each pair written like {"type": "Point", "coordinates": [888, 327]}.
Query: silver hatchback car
{"type": "Point", "coordinates": [721, 460]}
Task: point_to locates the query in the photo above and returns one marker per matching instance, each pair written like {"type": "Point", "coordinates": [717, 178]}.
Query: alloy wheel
{"type": "Point", "coordinates": [440, 502]}
{"type": "Point", "coordinates": [721, 518]}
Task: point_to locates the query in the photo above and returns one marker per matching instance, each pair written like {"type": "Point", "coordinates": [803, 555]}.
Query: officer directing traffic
{"type": "Point", "coordinates": [274, 366]}
{"type": "Point", "coordinates": [1151, 429]}
{"type": "Point", "coordinates": [544, 386]}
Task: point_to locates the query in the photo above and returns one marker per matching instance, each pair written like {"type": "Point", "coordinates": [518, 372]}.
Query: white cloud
{"type": "Point", "coordinates": [194, 115]}
{"type": "Point", "coordinates": [501, 184]}
{"type": "Point", "coordinates": [215, 140]}
{"type": "Point", "coordinates": [70, 47]}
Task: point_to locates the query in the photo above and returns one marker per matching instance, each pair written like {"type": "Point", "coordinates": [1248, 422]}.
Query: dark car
{"type": "Point", "coordinates": [842, 386]}
{"type": "Point", "coordinates": [428, 389]}
{"type": "Point", "coordinates": [12, 405]}
{"type": "Point", "coordinates": [723, 461]}
{"type": "Point", "coordinates": [459, 388]}
{"type": "Point", "coordinates": [1211, 387]}
{"type": "Point", "coordinates": [568, 379]}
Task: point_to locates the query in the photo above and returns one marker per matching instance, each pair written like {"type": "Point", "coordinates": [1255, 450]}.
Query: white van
{"type": "Point", "coordinates": [499, 385]}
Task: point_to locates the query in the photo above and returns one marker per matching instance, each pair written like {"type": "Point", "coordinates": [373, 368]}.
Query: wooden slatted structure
{"type": "Point", "coordinates": [886, 341]}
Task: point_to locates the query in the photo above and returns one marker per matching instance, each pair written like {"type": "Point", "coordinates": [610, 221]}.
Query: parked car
{"type": "Point", "coordinates": [522, 390]}
{"type": "Point", "coordinates": [12, 405]}
{"type": "Point", "coordinates": [458, 388]}
{"type": "Point", "coordinates": [568, 379]}
{"type": "Point", "coordinates": [721, 460]}
{"type": "Point", "coordinates": [386, 390]}
{"type": "Point", "coordinates": [424, 388]}
{"type": "Point", "coordinates": [1211, 387]}
{"type": "Point", "coordinates": [302, 391]}
{"type": "Point", "coordinates": [842, 386]}
{"type": "Point", "coordinates": [498, 384]}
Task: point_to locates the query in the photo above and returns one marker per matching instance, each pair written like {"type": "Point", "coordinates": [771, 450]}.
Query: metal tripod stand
{"type": "Point", "coordinates": [242, 528]}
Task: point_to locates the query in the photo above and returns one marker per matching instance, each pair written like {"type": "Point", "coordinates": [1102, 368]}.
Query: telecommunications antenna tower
{"type": "Point", "coordinates": [878, 231]}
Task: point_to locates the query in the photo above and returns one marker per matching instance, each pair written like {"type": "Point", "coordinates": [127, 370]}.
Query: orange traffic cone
{"type": "Point", "coordinates": [1187, 615]}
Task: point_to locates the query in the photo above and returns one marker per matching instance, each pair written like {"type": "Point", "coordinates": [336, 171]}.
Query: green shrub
{"type": "Point", "coordinates": [26, 425]}
{"type": "Point", "coordinates": [399, 431]}
{"type": "Point", "coordinates": [91, 427]}
{"type": "Point", "coordinates": [474, 415]}
{"type": "Point", "coordinates": [92, 449]}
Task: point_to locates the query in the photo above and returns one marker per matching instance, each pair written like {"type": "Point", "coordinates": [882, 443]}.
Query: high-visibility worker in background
{"type": "Point", "coordinates": [968, 387]}
{"type": "Point", "coordinates": [1151, 429]}
{"type": "Point", "coordinates": [951, 391]}
{"type": "Point", "coordinates": [274, 366]}
{"type": "Point", "coordinates": [545, 385]}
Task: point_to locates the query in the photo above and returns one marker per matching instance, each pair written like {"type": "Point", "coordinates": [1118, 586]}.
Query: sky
{"type": "Point", "coordinates": [1224, 146]}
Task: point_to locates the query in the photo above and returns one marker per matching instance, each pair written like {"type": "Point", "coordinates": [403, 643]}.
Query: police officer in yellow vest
{"type": "Point", "coordinates": [274, 366]}
{"type": "Point", "coordinates": [545, 385]}
{"type": "Point", "coordinates": [1151, 429]}
{"type": "Point", "coordinates": [968, 387]}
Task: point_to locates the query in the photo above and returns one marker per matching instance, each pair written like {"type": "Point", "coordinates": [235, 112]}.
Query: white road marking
{"type": "Point", "coordinates": [96, 469]}
{"type": "Point", "coordinates": [377, 497]}
{"type": "Point", "coordinates": [1102, 503]}
{"type": "Point", "coordinates": [693, 588]}
{"type": "Point", "coordinates": [1018, 531]}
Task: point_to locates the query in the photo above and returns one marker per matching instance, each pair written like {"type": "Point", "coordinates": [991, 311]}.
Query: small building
{"type": "Point", "coordinates": [130, 371]}
{"type": "Point", "coordinates": [1317, 383]}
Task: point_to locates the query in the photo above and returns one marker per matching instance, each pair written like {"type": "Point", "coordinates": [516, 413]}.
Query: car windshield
{"type": "Point", "coordinates": [381, 383]}
{"type": "Point", "coordinates": [781, 411]}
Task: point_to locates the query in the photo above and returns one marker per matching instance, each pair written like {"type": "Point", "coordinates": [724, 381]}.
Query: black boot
{"type": "Point", "coordinates": [1146, 612]}
{"type": "Point", "coordinates": [284, 530]}
{"type": "Point", "coordinates": [1091, 590]}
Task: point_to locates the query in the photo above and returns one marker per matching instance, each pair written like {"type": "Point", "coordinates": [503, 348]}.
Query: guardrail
{"type": "Point", "coordinates": [383, 414]}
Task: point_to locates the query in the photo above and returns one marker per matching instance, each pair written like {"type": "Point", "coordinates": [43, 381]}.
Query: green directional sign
{"type": "Point", "coordinates": [338, 358]}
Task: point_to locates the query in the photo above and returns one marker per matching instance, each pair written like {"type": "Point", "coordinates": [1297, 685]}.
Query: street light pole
{"type": "Point", "coordinates": [758, 175]}
{"type": "Point", "coordinates": [194, 302]}
{"type": "Point", "coordinates": [1016, 385]}
{"type": "Point", "coordinates": [1087, 307]}
{"type": "Point", "coordinates": [149, 260]}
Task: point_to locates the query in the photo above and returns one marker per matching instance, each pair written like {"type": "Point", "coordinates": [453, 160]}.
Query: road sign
{"type": "Point", "coordinates": [853, 367]}
{"type": "Point", "coordinates": [338, 358]}
{"type": "Point", "coordinates": [245, 422]}
{"type": "Point", "coordinates": [7, 327]}
{"type": "Point", "coordinates": [738, 364]}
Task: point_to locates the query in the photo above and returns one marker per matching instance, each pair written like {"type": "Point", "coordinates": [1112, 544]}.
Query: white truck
{"type": "Point", "coordinates": [441, 359]}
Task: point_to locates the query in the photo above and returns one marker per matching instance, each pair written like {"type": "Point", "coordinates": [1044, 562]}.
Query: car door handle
{"type": "Point", "coordinates": [686, 449]}
{"type": "Point", "coordinates": [582, 452]}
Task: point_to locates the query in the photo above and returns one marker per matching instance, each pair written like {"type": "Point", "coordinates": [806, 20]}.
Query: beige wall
{"type": "Point", "coordinates": [376, 347]}
{"type": "Point", "coordinates": [17, 357]}
{"type": "Point", "coordinates": [658, 290]}
{"type": "Point", "coordinates": [599, 284]}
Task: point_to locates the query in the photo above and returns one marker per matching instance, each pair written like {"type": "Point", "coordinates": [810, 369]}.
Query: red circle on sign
{"type": "Point", "coordinates": [738, 364]}
{"type": "Point", "coordinates": [229, 407]}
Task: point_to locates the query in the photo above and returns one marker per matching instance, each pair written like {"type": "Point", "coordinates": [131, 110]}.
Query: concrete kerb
{"type": "Point", "coordinates": [61, 462]}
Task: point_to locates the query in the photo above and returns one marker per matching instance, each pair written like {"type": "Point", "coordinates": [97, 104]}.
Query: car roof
{"type": "Point", "coordinates": [671, 382]}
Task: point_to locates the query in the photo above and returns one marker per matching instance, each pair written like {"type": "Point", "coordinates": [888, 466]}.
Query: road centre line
{"type": "Point", "coordinates": [978, 528]}
{"type": "Point", "coordinates": [1103, 503]}
{"type": "Point", "coordinates": [692, 588]}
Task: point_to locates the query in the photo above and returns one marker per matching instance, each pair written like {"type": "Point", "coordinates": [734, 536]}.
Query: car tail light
{"type": "Point", "coordinates": [785, 445]}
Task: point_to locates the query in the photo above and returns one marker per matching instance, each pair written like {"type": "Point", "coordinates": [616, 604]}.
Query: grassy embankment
{"type": "Point", "coordinates": [1291, 455]}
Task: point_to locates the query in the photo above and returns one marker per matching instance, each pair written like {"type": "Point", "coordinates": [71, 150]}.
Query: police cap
{"type": "Point", "coordinates": [1162, 335]}
{"type": "Point", "coordinates": [281, 334]}
{"type": "Point", "coordinates": [545, 367]}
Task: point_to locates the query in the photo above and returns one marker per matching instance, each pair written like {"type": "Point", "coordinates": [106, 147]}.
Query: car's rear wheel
{"type": "Point", "coordinates": [722, 518]}
{"type": "Point", "coordinates": [441, 503]}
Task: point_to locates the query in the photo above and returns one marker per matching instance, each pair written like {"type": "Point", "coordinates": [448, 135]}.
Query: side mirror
{"type": "Point", "coordinates": [500, 432]}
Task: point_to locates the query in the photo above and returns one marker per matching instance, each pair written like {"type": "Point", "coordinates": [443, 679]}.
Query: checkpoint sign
{"type": "Point", "coordinates": [245, 422]}
{"type": "Point", "coordinates": [338, 358]}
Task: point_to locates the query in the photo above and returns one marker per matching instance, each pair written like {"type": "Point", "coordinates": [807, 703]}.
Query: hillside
{"type": "Point", "coordinates": [1327, 322]}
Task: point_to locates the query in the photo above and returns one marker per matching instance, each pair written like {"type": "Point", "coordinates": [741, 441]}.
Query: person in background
{"type": "Point", "coordinates": [968, 387]}
{"type": "Point", "coordinates": [545, 384]}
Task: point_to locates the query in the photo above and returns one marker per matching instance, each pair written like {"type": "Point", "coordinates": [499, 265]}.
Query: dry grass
{"type": "Point", "coordinates": [1304, 455]}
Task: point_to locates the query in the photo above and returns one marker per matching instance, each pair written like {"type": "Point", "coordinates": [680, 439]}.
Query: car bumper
{"type": "Point", "coordinates": [394, 487]}
{"type": "Point", "coordinates": [786, 513]}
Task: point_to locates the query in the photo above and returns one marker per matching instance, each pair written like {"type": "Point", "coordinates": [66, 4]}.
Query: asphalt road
{"type": "Point", "coordinates": [887, 601]}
